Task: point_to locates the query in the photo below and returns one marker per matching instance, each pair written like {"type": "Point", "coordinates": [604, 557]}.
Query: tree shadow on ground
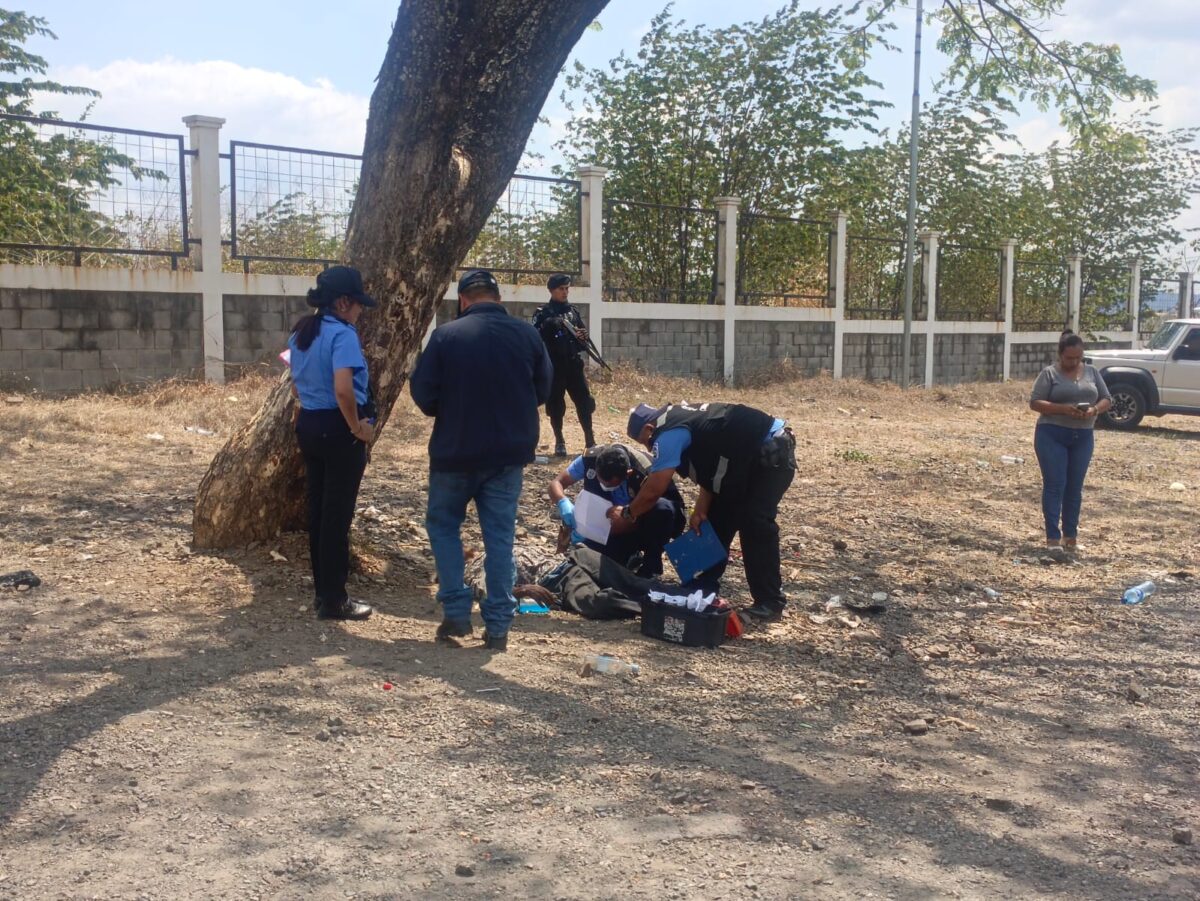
{"type": "Point", "coordinates": [588, 725]}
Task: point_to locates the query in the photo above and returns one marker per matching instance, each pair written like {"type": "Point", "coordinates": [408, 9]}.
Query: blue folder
{"type": "Point", "coordinates": [692, 554]}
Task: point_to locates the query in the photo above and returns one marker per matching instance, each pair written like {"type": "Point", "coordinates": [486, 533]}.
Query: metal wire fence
{"type": "Point", "coordinates": [289, 205]}
{"type": "Point", "coordinates": [655, 253]}
{"type": "Point", "coordinates": [533, 231]}
{"type": "Point", "coordinates": [784, 262]}
{"type": "Point", "coordinates": [1158, 297]}
{"type": "Point", "coordinates": [76, 193]}
{"type": "Point", "coordinates": [1039, 295]}
{"type": "Point", "coordinates": [969, 283]}
{"type": "Point", "coordinates": [875, 278]}
{"type": "Point", "coordinates": [1104, 298]}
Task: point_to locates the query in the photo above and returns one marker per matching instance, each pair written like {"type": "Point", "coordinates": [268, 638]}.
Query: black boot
{"type": "Point", "coordinates": [347, 609]}
{"type": "Point", "coordinates": [498, 643]}
{"type": "Point", "coordinates": [453, 628]}
{"type": "Point", "coordinates": [764, 614]}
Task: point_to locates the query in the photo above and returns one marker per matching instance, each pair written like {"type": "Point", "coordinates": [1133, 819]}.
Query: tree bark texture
{"type": "Point", "coordinates": [459, 92]}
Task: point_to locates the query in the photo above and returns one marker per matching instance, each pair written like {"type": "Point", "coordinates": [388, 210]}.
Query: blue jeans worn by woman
{"type": "Point", "coordinates": [495, 493]}
{"type": "Point", "coordinates": [1064, 455]}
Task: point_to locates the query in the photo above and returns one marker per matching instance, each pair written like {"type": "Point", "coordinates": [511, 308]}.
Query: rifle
{"type": "Point", "coordinates": [588, 346]}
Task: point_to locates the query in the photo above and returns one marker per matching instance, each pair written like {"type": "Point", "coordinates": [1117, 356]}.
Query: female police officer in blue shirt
{"type": "Point", "coordinates": [334, 429]}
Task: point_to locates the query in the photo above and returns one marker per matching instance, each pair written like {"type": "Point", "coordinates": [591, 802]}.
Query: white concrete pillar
{"type": "Point", "coordinates": [1187, 284]}
{"type": "Point", "coordinates": [1008, 257]}
{"type": "Point", "coordinates": [840, 224]}
{"type": "Point", "coordinates": [1135, 300]}
{"type": "Point", "coordinates": [204, 137]}
{"type": "Point", "coordinates": [1074, 290]}
{"type": "Point", "coordinates": [727, 213]}
{"type": "Point", "coordinates": [591, 235]}
{"type": "Point", "coordinates": [929, 270]}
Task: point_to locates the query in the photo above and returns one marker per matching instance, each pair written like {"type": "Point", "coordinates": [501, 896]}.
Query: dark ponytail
{"type": "Point", "coordinates": [1069, 339]}
{"type": "Point", "coordinates": [308, 327]}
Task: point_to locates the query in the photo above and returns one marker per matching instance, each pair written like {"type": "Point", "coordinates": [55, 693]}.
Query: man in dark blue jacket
{"type": "Point", "coordinates": [482, 377]}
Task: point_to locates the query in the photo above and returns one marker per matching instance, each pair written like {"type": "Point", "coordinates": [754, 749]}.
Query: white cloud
{"type": "Point", "coordinates": [1125, 23]}
{"type": "Point", "coordinates": [1040, 132]}
{"type": "Point", "coordinates": [1179, 106]}
{"type": "Point", "coordinates": [258, 105]}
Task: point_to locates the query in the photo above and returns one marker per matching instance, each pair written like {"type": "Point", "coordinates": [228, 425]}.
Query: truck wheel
{"type": "Point", "coordinates": [1128, 407]}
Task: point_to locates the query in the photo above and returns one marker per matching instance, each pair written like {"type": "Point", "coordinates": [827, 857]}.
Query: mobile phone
{"type": "Point", "coordinates": [1083, 406]}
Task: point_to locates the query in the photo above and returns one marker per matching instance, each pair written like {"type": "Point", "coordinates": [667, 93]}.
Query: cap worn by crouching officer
{"type": "Point", "coordinates": [482, 378]}
{"type": "Point", "coordinates": [615, 473]}
{"type": "Point", "coordinates": [562, 330]}
{"type": "Point", "coordinates": [334, 427]}
{"type": "Point", "coordinates": [743, 460]}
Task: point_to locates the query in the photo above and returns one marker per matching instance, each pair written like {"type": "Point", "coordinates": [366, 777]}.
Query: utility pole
{"type": "Point", "coordinates": [910, 228]}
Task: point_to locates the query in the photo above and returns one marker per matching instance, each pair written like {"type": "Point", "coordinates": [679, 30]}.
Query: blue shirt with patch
{"type": "Point", "coordinates": [335, 347]}
{"type": "Point", "coordinates": [669, 448]}
{"type": "Point", "coordinates": [619, 495]}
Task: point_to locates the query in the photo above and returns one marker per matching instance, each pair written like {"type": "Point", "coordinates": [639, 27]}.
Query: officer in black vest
{"type": "Point", "coordinates": [616, 474]}
{"type": "Point", "coordinates": [743, 460]}
{"type": "Point", "coordinates": [561, 327]}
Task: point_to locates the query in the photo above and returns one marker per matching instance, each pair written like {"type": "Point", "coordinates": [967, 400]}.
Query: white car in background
{"type": "Point", "coordinates": [1162, 377]}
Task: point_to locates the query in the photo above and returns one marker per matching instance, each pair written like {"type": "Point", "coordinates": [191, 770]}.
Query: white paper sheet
{"type": "Point", "coordinates": [591, 517]}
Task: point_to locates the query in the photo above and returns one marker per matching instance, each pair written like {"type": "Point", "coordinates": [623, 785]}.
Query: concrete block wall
{"type": "Point", "coordinates": [1030, 359]}
{"type": "Point", "coordinates": [880, 357]}
{"type": "Point", "coordinates": [758, 345]}
{"type": "Point", "coordinates": [968, 358]}
{"type": "Point", "coordinates": [257, 327]}
{"type": "Point", "coordinates": [73, 340]}
{"type": "Point", "coordinates": [519, 309]}
{"type": "Point", "coordinates": [680, 347]}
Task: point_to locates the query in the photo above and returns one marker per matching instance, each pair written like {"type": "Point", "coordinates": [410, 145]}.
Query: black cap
{"type": "Point", "coordinates": [613, 462]}
{"type": "Point", "coordinates": [340, 281]}
{"type": "Point", "coordinates": [562, 280]}
{"type": "Point", "coordinates": [639, 416]}
{"type": "Point", "coordinates": [476, 279]}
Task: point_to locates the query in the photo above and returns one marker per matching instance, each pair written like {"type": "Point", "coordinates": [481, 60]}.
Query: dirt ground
{"type": "Point", "coordinates": [178, 725]}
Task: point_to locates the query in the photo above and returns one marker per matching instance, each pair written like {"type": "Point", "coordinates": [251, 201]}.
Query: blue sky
{"type": "Point", "coordinates": [301, 72]}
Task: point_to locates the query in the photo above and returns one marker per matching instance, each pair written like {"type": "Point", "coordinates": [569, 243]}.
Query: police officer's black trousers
{"type": "Point", "coordinates": [754, 516]}
{"type": "Point", "coordinates": [334, 461]}
{"type": "Point", "coordinates": [654, 529]}
{"type": "Point", "coordinates": [569, 378]}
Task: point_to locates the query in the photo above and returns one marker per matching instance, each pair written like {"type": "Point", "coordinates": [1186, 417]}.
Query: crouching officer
{"type": "Point", "coordinates": [561, 328]}
{"type": "Point", "coordinates": [743, 460]}
{"type": "Point", "coordinates": [616, 474]}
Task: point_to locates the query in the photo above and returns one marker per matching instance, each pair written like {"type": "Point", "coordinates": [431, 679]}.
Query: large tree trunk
{"type": "Point", "coordinates": [457, 96]}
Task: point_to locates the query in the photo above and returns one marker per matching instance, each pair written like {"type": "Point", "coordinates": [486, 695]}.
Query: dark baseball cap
{"type": "Point", "coordinates": [562, 280]}
{"type": "Point", "coordinates": [613, 463]}
{"type": "Point", "coordinates": [340, 281]}
{"type": "Point", "coordinates": [640, 415]}
{"type": "Point", "coordinates": [477, 279]}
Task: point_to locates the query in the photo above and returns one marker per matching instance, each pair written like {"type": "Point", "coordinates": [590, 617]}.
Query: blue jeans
{"type": "Point", "coordinates": [495, 492]}
{"type": "Point", "coordinates": [1064, 455]}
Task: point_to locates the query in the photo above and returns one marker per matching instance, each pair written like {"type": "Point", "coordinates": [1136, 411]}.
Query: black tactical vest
{"type": "Point", "coordinates": [725, 440]}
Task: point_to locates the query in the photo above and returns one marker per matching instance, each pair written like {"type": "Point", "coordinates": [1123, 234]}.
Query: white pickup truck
{"type": "Point", "coordinates": [1162, 377]}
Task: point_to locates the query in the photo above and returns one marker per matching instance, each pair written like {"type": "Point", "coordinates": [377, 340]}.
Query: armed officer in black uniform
{"type": "Point", "coordinates": [561, 327]}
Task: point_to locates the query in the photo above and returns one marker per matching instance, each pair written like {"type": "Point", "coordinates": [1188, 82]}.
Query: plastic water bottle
{"type": "Point", "coordinates": [1010, 460]}
{"type": "Point", "coordinates": [1139, 593]}
{"type": "Point", "coordinates": [610, 666]}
